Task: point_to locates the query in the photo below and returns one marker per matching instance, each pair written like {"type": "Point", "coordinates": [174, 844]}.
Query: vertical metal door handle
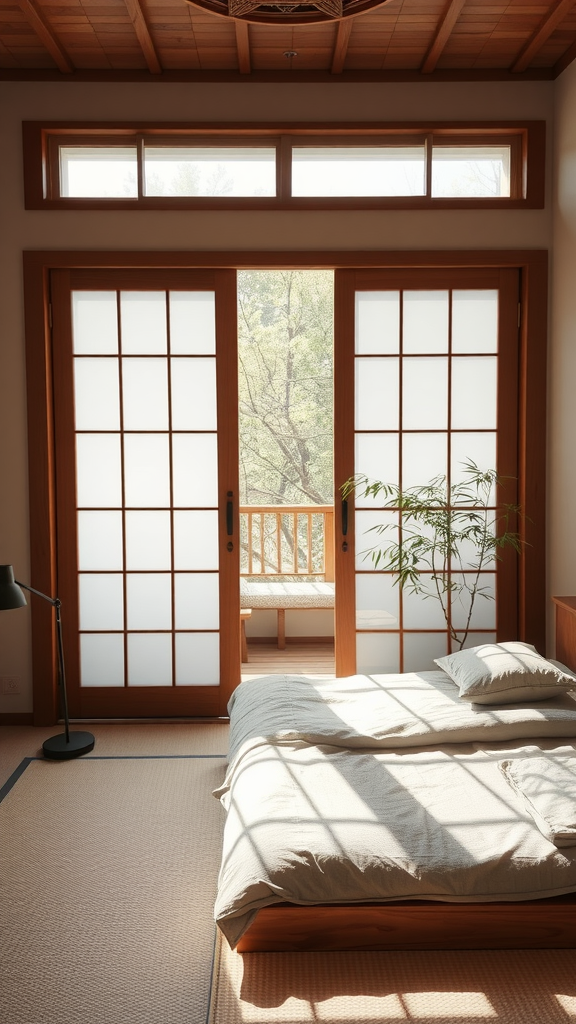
{"type": "Point", "coordinates": [229, 515]}
{"type": "Point", "coordinates": [344, 516]}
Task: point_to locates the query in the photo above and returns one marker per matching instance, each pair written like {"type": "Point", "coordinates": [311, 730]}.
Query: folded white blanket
{"type": "Point", "coordinates": [548, 789]}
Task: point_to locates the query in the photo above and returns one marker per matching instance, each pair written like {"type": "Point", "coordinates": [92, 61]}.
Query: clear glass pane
{"type": "Point", "coordinates": [101, 172]}
{"type": "Point", "coordinates": [146, 470]}
{"type": "Point", "coordinates": [197, 598]}
{"type": "Point", "coordinates": [420, 650]}
{"type": "Point", "coordinates": [425, 393]}
{"type": "Point", "coordinates": [424, 456]}
{"type": "Point", "coordinates": [98, 471]}
{"type": "Point", "coordinates": [192, 323]}
{"type": "Point", "coordinates": [101, 659]}
{"type": "Point", "coordinates": [422, 612]}
{"type": "Point", "coordinates": [464, 171]}
{"type": "Point", "coordinates": [377, 653]}
{"type": "Point", "coordinates": [148, 540]}
{"type": "Point", "coordinates": [100, 541]}
{"type": "Point", "coordinates": [149, 600]}
{"type": "Point", "coordinates": [376, 456]}
{"type": "Point", "coordinates": [196, 540]}
{"type": "Point", "coordinates": [358, 171]}
{"type": "Point", "coordinates": [101, 601]}
{"type": "Point", "coordinates": [376, 393]}
{"type": "Point", "coordinates": [369, 536]}
{"type": "Point", "coordinates": [96, 394]}
{"type": "Point", "coordinates": [145, 394]}
{"type": "Point", "coordinates": [94, 323]}
{"type": "Point", "coordinates": [197, 659]}
{"type": "Point", "coordinates": [377, 323]}
{"type": "Point", "coordinates": [484, 604]}
{"type": "Point", "coordinates": [195, 470]}
{"type": "Point", "coordinates": [149, 659]}
{"type": "Point", "coordinates": [143, 322]}
{"type": "Point", "coordinates": [194, 394]}
{"type": "Point", "coordinates": [210, 171]}
{"type": "Point", "coordinates": [475, 321]}
{"type": "Point", "coordinates": [377, 601]}
{"type": "Point", "coordinates": [425, 322]}
{"type": "Point", "coordinates": [474, 391]}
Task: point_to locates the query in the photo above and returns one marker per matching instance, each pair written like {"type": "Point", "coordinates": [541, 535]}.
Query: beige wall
{"type": "Point", "coordinates": [211, 231]}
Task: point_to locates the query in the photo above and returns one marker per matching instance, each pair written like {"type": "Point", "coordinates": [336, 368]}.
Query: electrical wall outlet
{"type": "Point", "coordinates": [10, 684]}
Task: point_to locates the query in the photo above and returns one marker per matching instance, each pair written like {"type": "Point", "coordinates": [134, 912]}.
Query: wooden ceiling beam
{"type": "Point", "coordinates": [243, 47]}
{"type": "Point", "coordinates": [341, 46]}
{"type": "Point", "coordinates": [37, 21]}
{"type": "Point", "coordinates": [539, 37]}
{"type": "Point", "coordinates": [443, 33]}
{"type": "Point", "coordinates": [144, 38]}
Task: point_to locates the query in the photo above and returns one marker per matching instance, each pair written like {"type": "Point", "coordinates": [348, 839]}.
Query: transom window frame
{"type": "Point", "coordinates": [42, 142]}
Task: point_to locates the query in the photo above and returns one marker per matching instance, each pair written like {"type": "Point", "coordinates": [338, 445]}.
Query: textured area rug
{"type": "Point", "coordinates": [107, 881]}
{"type": "Point", "coordinates": [445, 987]}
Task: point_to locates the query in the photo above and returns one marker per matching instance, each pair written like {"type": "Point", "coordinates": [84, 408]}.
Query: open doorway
{"type": "Point", "coordinates": [285, 383]}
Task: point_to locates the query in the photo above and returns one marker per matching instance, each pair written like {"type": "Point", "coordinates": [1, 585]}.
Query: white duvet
{"type": "Point", "coordinates": [321, 810]}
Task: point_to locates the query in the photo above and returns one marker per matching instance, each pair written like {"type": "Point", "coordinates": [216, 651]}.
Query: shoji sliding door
{"type": "Point", "coordinates": [146, 483]}
{"type": "Point", "coordinates": [426, 378]}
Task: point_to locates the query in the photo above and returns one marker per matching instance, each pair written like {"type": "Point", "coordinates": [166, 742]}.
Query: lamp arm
{"type": "Point", "coordinates": [57, 604]}
{"type": "Point", "coordinates": [54, 601]}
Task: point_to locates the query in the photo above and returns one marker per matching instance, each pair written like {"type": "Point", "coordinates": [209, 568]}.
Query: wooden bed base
{"type": "Point", "coordinates": [414, 924]}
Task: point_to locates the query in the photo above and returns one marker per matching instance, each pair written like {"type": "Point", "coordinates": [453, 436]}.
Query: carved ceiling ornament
{"type": "Point", "coordinates": [290, 12]}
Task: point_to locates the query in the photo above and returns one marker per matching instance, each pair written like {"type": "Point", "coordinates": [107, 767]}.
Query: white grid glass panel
{"type": "Point", "coordinates": [101, 659]}
{"type": "Point", "coordinates": [475, 321]}
{"type": "Point", "coordinates": [96, 394]}
{"type": "Point", "coordinates": [149, 600]}
{"type": "Point", "coordinates": [145, 393]}
{"type": "Point", "coordinates": [377, 330]}
{"type": "Point", "coordinates": [196, 540]}
{"type": "Point", "coordinates": [192, 323]}
{"type": "Point", "coordinates": [195, 470]}
{"type": "Point", "coordinates": [143, 321]}
{"type": "Point", "coordinates": [484, 609]}
{"type": "Point", "coordinates": [194, 394]}
{"type": "Point", "coordinates": [424, 456]}
{"type": "Point", "coordinates": [197, 600]}
{"type": "Point", "coordinates": [197, 659]}
{"type": "Point", "coordinates": [377, 601]}
{"type": "Point", "coordinates": [425, 322]}
{"type": "Point", "coordinates": [100, 541]}
{"type": "Point", "coordinates": [425, 393]}
{"type": "Point", "coordinates": [369, 536]}
{"type": "Point", "coordinates": [94, 323]}
{"type": "Point", "coordinates": [149, 659]}
{"type": "Point", "coordinates": [377, 653]}
{"type": "Point", "coordinates": [148, 540]}
{"type": "Point", "coordinates": [474, 393]}
{"type": "Point", "coordinates": [376, 456]}
{"type": "Point", "coordinates": [98, 471]}
{"type": "Point", "coordinates": [377, 399]}
{"type": "Point", "coordinates": [146, 470]}
{"type": "Point", "coordinates": [101, 601]}
{"type": "Point", "coordinates": [420, 650]}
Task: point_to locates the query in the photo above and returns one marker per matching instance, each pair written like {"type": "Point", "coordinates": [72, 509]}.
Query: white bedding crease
{"type": "Point", "coordinates": [547, 787]}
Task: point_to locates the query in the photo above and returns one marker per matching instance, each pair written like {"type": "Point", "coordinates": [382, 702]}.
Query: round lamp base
{"type": "Point", "coordinates": [57, 749]}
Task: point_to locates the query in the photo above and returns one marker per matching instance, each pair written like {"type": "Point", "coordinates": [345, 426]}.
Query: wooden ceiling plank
{"type": "Point", "coordinates": [243, 47]}
{"type": "Point", "coordinates": [36, 20]}
{"type": "Point", "coordinates": [443, 33]}
{"type": "Point", "coordinates": [539, 37]}
{"type": "Point", "coordinates": [144, 38]}
{"type": "Point", "coordinates": [341, 46]}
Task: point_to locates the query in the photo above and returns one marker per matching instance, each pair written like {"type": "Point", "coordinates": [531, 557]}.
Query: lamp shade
{"type": "Point", "coordinates": [11, 595]}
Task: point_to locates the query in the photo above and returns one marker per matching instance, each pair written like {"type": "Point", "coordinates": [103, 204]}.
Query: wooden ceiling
{"type": "Point", "coordinates": [174, 40]}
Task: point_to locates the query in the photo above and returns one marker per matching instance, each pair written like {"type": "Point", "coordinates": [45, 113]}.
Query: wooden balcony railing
{"type": "Point", "coordinates": [287, 540]}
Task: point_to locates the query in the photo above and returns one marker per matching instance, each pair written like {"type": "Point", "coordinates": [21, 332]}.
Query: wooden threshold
{"type": "Point", "coordinates": [306, 656]}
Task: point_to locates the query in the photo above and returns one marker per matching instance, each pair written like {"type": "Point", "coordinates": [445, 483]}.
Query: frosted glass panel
{"type": "Point", "coordinates": [424, 456]}
{"type": "Point", "coordinates": [195, 469]}
{"type": "Point", "coordinates": [94, 323]}
{"type": "Point", "coordinates": [377, 323]}
{"type": "Point", "coordinates": [376, 394]}
{"type": "Point", "coordinates": [425, 394]}
{"type": "Point", "coordinates": [425, 324]}
{"type": "Point", "coordinates": [101, 601]}
{"type": "Point", "coordinates": [148, 540]}
{"type": "Point", "coordinates": [98, 470]}
{"type": "Point", "coordinates": [474, 389]}
{"type": "Point", "coordinates": [377, 601]}
{"type": "Point", "coordinates": [377, 653]}
{"type": "Point", "coordinates": [196, 540]}
{"type": "Point", "coordinates": [194, 394]}
{"type": "Point", "coordinates": [422, 612]}
{"type": "Point", "coordinates": [192, 323]}
{"type": "Point", "coordinates": [367, 537]}
{"type": "Point", "coordinates": [147, 470]}
{"type": "Point", "coordinates": [484, 610]}
{"type": "Point", "coordinates": [143, 321]}
{"type": "Point", "coordinates": [376, 456]}
{"type": "Point", "coordinates": [474, 640]}
{"type": "Point", "coordinates": [420, 650]}
{"type": "Point", "coordinates": [100, 540]}
{"type": "Point", "coordinates": [149, 600]}
{"type": "Point", "coordinates": [96, 394]}
{"type": "Point", "coordinates": [145, 394]}
{"type": "Point", "coordinates": [480, 448]}
{"type": "Point", "coordinates": [197, 599]}
{"type": "Point", "coordinates": [197, 659]}
{"type": "Point", "coordinates": [475, 321]}
{"type": "Point", "coordinates": [101, 659]}
{"type": "Point", "coordinates": [150, 659]}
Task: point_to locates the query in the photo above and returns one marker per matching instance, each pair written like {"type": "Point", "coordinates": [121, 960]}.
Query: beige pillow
{"type": "Point", "coordinates": [505, 674]}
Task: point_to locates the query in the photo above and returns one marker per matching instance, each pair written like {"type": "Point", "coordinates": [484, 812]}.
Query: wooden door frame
{"type": "Point", "coordinates": [37, 265]}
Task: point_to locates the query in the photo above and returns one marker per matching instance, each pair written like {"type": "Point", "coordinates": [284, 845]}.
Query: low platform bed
{"type": "Point", "coordinates": [393, 811]}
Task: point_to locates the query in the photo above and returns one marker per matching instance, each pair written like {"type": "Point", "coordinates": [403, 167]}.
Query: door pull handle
{"type": "Point", "coordinates": [229, 515]}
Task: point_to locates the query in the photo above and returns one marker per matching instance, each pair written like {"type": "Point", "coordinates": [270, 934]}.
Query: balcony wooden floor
{"type": "Point", "coordinates": [304, 659]}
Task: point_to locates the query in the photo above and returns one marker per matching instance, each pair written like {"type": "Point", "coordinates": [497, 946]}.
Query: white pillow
{"type": "Point", "coordinates": [505, 673]}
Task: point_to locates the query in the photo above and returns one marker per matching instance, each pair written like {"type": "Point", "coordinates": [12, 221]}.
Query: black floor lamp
{"type": "Point", "coordinates": [67, 744]}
